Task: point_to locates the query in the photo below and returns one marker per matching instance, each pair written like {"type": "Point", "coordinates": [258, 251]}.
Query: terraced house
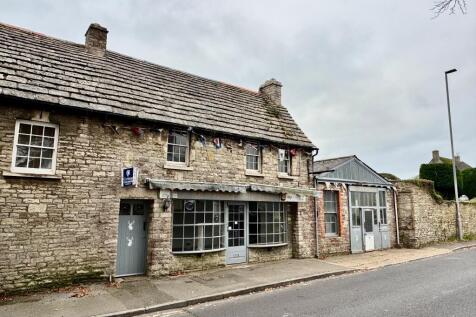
{"type": "Point", "coordinates": [113, 166]}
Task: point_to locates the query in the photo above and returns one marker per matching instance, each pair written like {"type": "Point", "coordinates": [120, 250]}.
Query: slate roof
{"type": "Point", "coordinates": [41, 68]}
{"type": "Point", "coordinates": [349, 169]}
{"type": "Point", "coordinates": [460, 165]}
{"type": "Point", "coordinates": [330, 164]}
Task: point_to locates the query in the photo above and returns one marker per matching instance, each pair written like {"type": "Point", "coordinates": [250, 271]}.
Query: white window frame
{"type": "Point", "coordinates": [287, 162]}
{"type": "Point", "coordinates": [187, 148]}
{"type": "Point", "coordinates": [259, 157]}
{"type": "Point", "coordinates": [30, 170]}
{"type": "Point", "coordinates": [335, 195]}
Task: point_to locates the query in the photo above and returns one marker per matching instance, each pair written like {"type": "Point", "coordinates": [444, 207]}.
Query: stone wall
{"type": "Point", "coordinates": [424, 218]}
{"type": "Point", "coordinates": [62, 230]}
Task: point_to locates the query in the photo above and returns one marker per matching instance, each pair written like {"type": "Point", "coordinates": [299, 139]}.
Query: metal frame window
{"type": "Point", "coordinates": [198, 226]}
{"type": "Point", "coordinates": [177, 147]}
{"type": "Point", "coordinates": [331, 212]}
{"type": "Point", "coordinates": [284, 165]}
{"type": "Point", "coordinates": [267, 224]}
{"type": "Point", "coordinates": [35, 147]}
{"type": "Point", "coordinates": [383, 207]}
{"type": "Point", "coordinates": [253, 157]}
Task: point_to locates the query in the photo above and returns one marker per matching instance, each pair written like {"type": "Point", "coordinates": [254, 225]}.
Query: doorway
{"type": "Point", "coordinates": [236, 251]}
{"type": "Point", "coordinates": [132, 238]}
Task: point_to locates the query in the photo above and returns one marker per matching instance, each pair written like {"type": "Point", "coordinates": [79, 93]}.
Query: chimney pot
{"type": "Point", "coordinates": [96, 39]}
{"type": "Point", "coordinates": [272, 89]}
{"type": "Point", "coordinates": [457, 158]}
{"type": "Point", "coordinates": [436, 155]}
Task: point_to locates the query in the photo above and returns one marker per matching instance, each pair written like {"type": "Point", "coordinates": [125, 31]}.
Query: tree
{"type": "Point", "coordinates": [450, 6]}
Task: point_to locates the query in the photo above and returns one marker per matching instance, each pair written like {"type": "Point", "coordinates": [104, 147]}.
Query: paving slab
{"type": "Point", "coordinates": [138, 295]}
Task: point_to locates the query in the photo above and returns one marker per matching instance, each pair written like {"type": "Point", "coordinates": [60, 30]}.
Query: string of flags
{"type": "Point", "coordinates": [217, 141]}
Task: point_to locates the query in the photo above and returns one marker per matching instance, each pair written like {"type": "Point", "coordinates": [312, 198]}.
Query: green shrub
{"type": "Point", "coordinates": [442, 176]}
{"type": "Point", "coordinates": [468, 187]}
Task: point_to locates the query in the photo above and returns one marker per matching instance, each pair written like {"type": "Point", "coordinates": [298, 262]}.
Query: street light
{"type": "Point", "coordinates": [455, 179]}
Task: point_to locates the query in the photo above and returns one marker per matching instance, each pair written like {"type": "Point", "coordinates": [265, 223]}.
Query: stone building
{"type": "Point", "coordinates": [437, 159]}
{"type": "Point", "coordinates": [356, 207]}
{"type": "Point", "coordinates": [113, 166]}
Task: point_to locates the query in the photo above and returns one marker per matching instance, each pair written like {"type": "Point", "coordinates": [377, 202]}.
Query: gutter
{"type": "Point", "coordinates": [395, 208]}
{"type": "Point", "coordinates": [316, 212]}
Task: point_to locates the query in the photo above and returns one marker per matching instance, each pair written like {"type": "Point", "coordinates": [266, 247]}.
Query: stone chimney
{"type": "Point", "coordinates": [436, 157]}
{"type": "Point", "coordinates": [457, 158]}
{"type": "Point", "coordinates": [272, 89]}
{"type": "Point", "coordinates": [96, 39]}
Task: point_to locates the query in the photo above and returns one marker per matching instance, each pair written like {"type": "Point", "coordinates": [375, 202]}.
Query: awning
{"type": "Point", "coordinates": [282, 190]}
{"type": "Point", "coordinates": [196, 186]}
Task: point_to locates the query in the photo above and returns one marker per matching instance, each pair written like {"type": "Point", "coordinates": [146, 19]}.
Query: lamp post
{"type": "Point", "coordinates": [455, 179]}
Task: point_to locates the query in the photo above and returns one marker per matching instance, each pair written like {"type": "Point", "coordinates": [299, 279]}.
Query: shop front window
{"type": "Point", "coordinates": [267, 224]}
{"type": "Point", "coordinates": [198, 226]}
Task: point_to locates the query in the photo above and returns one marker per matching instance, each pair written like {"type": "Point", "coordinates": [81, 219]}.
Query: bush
{"type": "Point", "coordinates": [442, 176]}
{"type": "Point", "coordinates": [468, 187]}
{"type": "Point", "coordinates": [389, 176]}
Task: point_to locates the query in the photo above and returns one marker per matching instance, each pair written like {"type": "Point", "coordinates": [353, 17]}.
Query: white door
{"type": "Point", "coordinates": [369, 237]}
{"type": "Point", "coordinates": [236, 233]}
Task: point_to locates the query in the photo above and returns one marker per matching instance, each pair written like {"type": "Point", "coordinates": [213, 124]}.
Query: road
{"type": "Point", "coordinates": [439, 286]}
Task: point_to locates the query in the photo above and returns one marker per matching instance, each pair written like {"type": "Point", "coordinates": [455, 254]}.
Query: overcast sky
{"type": "Point", "coordinates": [360, 77]}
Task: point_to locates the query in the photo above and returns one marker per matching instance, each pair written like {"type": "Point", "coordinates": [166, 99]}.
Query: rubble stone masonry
{"type": "Point", "coordinates": [424, 218]}
{"type": "Point", "coordinates": [56, 231]}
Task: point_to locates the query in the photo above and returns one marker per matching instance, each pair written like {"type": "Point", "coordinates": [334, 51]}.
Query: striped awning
{"type": "Point", "coordinates": [196, 186]}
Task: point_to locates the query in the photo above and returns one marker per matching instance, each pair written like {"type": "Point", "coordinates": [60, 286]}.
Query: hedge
{"type": "Point", "coordinates": [468, 177]}
{"type": "Point", "coordinates": [442, 175]}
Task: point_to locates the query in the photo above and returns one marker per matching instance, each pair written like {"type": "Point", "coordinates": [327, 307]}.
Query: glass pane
{"type": "Point", "coordinates": [187, 244]}
{"type": "Point", "coordinates": [23, 139]}
{"type": "Point", "coordinates": [177, 245]}
{"type": "Point", "coordinates": [138, 209]}
{"type": "Point", "coordinates": [125, 209]}
{"type": "Point", "coordinates": [189, 217]}
{"type": "Point", "coordinates": [177, 205]}
{"type": "Point", "coordinates": [208, 231]}
{"type": "Point", "coordinates": [48, 142]}
{"type": "Point", "coordinates": [22, 150]}
{"type": "Point", "coordinates": [37, 130]}
{"type": "Point", "coordinates": [21, 161]}
{"type": "Point", "coordinates": [46, 153]}
{"type": "Point", "coordinates": [50, 131]}
{"type": "Point", "coordinates": [188, 231]}
{"type": "Point", "coordinates": [36, 140]}
{"type": "Point", "coordinates": [35, 152]}
{"type": "Point", "coordinates": [25, 128]}
{"type": "Point", "coordinates": [46, 163]}
{"type": "Point", "coordinates": [34, 163]}
{"type": "Point", "coordinates": [177, 232]}
{"type": "Point", "coordinates": [178, 217]}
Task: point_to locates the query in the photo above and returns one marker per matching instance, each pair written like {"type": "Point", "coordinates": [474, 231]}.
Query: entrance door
{"type": "Point", "coordinates": [132, 238]}
{"type": "Point", "coordinates": [377, 235]}
{"type": "Point", "coordinates": [369, 241]}
{"type": "Point", "coordinates": [236, 233]}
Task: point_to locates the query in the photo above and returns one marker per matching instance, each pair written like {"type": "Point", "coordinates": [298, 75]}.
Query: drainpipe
{"type": "Point", "coordinates": [395, 208]}
{"type": "Point", "coordinates": [316, 213]}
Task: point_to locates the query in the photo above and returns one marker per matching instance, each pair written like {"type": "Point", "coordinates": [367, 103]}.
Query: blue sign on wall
{"type": "Point", "coordinates": [129, 177]}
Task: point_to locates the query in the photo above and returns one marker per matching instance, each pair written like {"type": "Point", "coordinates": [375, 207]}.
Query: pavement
{"type": "Point", "coordinates": [437, 286]}
{"type": "Point", "coordinates": [139, 295]}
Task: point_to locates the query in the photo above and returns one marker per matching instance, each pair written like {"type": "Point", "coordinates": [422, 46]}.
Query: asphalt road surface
{"type": "Point", "coordinates": [439, 286]}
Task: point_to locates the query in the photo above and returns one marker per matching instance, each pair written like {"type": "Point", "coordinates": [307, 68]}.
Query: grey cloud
{"type": "Point", "coordinates": [361, 78]}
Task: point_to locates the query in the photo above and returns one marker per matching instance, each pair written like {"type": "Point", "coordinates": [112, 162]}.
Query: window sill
{"type": "Point", "coordinates": [42, 176]}
{"type": "Point", "coordinates": [331, 235]}
{"type": "Point", "coordinates": [287, 176]}
{"type": "Point", "coordinates": [253, 173]}
{"type": "Point", "coordinates": [197, 252]}
{"type": "Point", "coordinates": [267, 245]}
{"type": "Point", "coordinates": [180, 167]}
